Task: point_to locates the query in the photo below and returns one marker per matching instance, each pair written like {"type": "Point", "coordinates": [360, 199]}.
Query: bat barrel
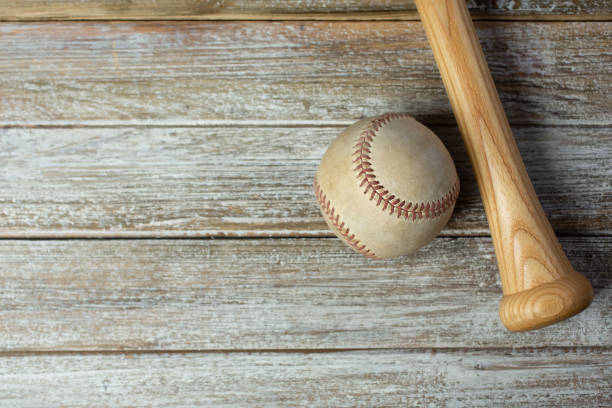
{"type": "Point", "coordinates": [539, 284]}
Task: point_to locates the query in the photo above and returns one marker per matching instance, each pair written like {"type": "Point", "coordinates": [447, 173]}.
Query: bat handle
{"type": "Point", "coordinates": [539, 284]}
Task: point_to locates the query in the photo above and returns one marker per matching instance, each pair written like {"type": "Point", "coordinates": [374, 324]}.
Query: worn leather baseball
{"type": "Point", "coordinates": [386, 186]}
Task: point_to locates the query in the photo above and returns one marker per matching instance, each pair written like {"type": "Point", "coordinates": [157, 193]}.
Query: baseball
{"type": "Point", "coordinates": [386, 186]}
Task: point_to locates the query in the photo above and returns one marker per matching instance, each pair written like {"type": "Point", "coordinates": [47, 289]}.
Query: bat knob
{"type": "Point", "coordinates": [546, 304]}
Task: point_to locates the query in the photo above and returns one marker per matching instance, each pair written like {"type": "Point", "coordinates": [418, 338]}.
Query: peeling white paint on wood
{"type": "Point", "coordinates": [251, 181]}
{"type": "Point", "coordinates": [287, 9]}
{"type": "Point", "coordinates": [288, 71]}
{"type": "Point", "coordinates": [272, 294]}
{"type": "Point", "coordinates": [436, 378]}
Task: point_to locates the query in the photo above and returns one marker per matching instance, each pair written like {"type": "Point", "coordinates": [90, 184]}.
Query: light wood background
{"type": "Point", "coordinates": [160, 244]}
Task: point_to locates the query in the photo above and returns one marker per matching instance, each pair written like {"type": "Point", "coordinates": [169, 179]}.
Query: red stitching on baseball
{"type": "Point", "coordinates": [365, 173]}
{"type": "Point", "coordinates": [340, 226]}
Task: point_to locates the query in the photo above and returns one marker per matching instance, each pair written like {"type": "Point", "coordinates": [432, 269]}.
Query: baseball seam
{"type": "Point", "coordinates": [396, 205]}
{"type": "Point", "coordinates": [338, 224]}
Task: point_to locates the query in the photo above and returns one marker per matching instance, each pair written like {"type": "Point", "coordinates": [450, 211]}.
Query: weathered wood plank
{"type": "Point", "coordinates": [476, 378]}
{"type": "Point", "coordinates": [186, 72]}
{"type": "Point", "coordinates": [252, 181]}
{"type": "Point", "coordinates": [272, 294]}
{"type": "Point", "coordinates": [292, 9]}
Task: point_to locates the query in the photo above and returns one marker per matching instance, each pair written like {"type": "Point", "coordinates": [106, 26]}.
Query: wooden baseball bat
{"type": "Point", "coordinates": [539, 284]}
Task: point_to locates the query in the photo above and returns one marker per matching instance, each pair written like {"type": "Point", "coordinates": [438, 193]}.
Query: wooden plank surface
{"type": "Point", "coordinates": [193, 73]}
{"type": "Point", "coordinates": [214, 129]}
{"type": "Point", "coordinates": [252, 181]}
{"type": "Point", "coordinates": [475, 378]}
{"type": "Point", "coordinates": [292, 9]}
{"type": "Point", "coordinates": [181, 129]}
{"type": "Point", "coordinates": [272, 294]}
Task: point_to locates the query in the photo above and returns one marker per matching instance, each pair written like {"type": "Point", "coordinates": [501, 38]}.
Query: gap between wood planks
{"type": "Point", "coordinates": [174, 237]}
{"type": "Point", "coordinates": [191, 236]}
{"type": "Point", "coordinates": [231, 123]}
{"type": "Point", "coordinates": [347, 17]}
{"type": "Point", "coordinates": [407, 350]}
